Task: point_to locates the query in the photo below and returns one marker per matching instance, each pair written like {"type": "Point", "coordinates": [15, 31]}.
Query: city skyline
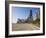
{"type": "Point", "coordinates": [23, 13]}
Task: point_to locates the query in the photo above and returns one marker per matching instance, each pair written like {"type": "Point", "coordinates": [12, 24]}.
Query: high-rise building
{"type": "Point", "coordinates": [30, 14]}
{"type": "Point", "coordinates": [30, 18]}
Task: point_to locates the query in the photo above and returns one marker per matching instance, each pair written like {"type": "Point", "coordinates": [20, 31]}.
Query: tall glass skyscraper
{"type": "Point", "coordinates": [30, 18]}
{"type": "Point", "coordinates": [30, 15]}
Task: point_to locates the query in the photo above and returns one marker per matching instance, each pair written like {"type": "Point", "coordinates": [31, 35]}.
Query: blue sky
{"type": "Point", "coordinates": [22, 12]}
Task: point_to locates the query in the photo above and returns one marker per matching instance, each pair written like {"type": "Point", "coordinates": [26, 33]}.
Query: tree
{"type": "Point", "coordinates": [19, 21]}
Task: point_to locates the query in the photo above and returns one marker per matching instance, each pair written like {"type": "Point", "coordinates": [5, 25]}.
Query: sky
{"type": "Point", "coordinates": [23, 13]}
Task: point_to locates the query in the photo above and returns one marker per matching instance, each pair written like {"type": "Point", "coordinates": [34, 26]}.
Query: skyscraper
{"type": "Point", "coordinates": [30, 15]}
{"type": "Point", "coordinates": [30, 18]}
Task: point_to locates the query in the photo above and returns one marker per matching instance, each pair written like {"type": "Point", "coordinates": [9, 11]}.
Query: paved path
{"type": "Point", "coordinates": [21, 27]}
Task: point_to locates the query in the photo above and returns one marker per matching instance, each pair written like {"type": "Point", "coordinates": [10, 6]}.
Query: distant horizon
{"type": "Point", "coordinates": [23, 13]}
